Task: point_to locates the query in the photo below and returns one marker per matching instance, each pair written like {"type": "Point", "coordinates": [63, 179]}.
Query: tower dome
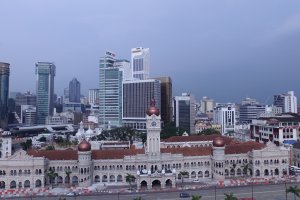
{"type": "Point", "coordinates": [152, 109]}
{"type": "Point", "coordinates": [84, 146]}
{"type": "Point", "coordinates": [219, 142]}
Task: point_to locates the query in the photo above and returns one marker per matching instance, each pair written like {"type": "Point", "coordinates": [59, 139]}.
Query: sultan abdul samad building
{"type": "Point", "coordinates": [159, 163]}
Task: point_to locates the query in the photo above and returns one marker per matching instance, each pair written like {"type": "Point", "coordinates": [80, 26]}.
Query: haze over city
{"type": "Point", "coordinates": [226, 50]}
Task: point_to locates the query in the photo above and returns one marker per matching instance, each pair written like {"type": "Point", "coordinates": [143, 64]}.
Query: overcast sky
{"type": "Point", "coordinates": [226, 50]}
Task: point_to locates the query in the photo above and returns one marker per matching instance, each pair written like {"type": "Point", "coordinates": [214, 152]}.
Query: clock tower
{"type": "Point", "coordinates": [153, 127]}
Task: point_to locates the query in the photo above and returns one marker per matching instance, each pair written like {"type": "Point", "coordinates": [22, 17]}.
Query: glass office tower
{"type": "Point", "coordinates": [4, 89]}
{"type": "Point", "coordinates": [110, 92]}
{"type": "Point", "coordinates": [45, 72]}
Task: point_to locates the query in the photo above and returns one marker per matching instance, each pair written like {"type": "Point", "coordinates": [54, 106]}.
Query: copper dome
{"type": "Point", "coordinates": [84, 146]}
{"type": "Point", "coordinates": [152, 109]}
{"type": "Point", "coordinates": [219, 142]}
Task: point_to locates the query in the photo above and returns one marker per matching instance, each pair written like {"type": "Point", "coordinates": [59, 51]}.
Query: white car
{"type": "Point", "coordinates": [196, 180]}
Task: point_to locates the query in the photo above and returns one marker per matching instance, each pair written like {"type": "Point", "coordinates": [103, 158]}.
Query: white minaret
{"type": "Point", "coordinates": [153, 127]}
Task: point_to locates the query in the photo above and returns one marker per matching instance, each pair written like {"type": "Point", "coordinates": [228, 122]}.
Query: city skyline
{"type": "Point", "coordinates": [223, 50]}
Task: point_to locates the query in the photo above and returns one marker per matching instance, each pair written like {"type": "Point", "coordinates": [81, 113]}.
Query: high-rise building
{"type": "Point", "coordinates": [26, 99]}
{"type": "Point", "coordinates": [225, 115]}
{"type": "Point", "coordinates": [66, 95]}
{"type": "Point", "coordinates": [124, 66]}
{"type": "Point", "coordinates": [137, 95]}
{"type": "Point", "coordinates": [250, 109]}
{"type": "Point", "coordinates": [185, 112]}
{"type": "Point", "coordinates": [4, 92]}
{"type": "Point", "coordinates": [140, 61]}
{"type": "Point", "coordinates": [288, 102]}
{"type": "Point", "coordinates": [45, 72]}
{"type": "Point", "coordinates": [110, 92]}
{"type": "Point", "coordinates": [166, 99]}
{"type": "Point", "coordinates": [207, 105]}
{"type": "Point", "coordinates": [94, 96]}
{"type": "Point", "coordinates": [74, 91]}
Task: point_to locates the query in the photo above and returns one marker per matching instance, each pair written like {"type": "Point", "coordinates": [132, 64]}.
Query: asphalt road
{"type": "Point", "coordinates": [260, 192]}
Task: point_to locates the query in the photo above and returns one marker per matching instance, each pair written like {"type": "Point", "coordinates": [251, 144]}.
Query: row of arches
{"type": "Point", "coordinates": [66, 180]}
{"type": "Point", "coordinates": [26, 184]}
{"type": "Point", "coordinates": [111, 178]}
{"type": "Point", "coordinates": [66, 168]}
{"type": "Point", "coordinates": [110, 167]}
{"type": "Point", "coordinates": [193, 174]}
{"type": "Point", "coordinates": [20, 172]}
{"type": "Point", "coordinates": [196, 145]}
{"type": "Point", "coordinates": [156, 184]}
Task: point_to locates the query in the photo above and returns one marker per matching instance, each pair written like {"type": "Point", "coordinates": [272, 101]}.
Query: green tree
{"type": "Point", "coordinates": [143, 137]}
{"type": "Point", "coordinates": [130, 178]}
{"type": "Point", "coordinates": [51, 147]}
{"type": "Point", "coordinates": [52, 175]}
{"type": "Point", "coordinates": [209, 131]}
{"type": "Point", "coordinates": [43, 139]}
{"type": "Point", "coordinates": [245, 168]}
{"type": "Point", "coordinates": [183, 174]}
{"type": "Point", "coordinates": [230, 196]}
{"type": "Point", "coordinates": [294, 190]}
{"type": "Point", "coordinates": [68, 173]}
{"type": "Point", "coordinates": [27, 145]}
{"type": "Point", "coordinates": [196, 197]}
{"type": "Point", "coordinates": [170, 130]}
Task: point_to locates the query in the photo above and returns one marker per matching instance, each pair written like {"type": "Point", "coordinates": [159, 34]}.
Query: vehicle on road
{"type": "Point", "coordinates": [196, 180]}
{"type": "Point", "coordinates": [184, 195]}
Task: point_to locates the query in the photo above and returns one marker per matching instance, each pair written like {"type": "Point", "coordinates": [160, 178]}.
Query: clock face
{"type": "Point", "coordinates": [153, 124]}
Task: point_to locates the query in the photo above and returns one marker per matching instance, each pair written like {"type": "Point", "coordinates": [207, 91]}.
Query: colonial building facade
{"type": "Point", "coordinates": [157, 165]}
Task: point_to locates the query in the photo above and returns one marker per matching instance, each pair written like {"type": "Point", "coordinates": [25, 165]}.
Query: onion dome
{"type": "Point", "coordinates": [84, 146]}
{"type": "Point", "coordinates": [219, 142]}
{"type": "Point", "coordinates": [152, 109]}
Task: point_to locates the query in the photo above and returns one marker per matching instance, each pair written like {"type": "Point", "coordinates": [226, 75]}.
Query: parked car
{"type": "Point", "coordinates": [184, 195]}
{"type": "Point", "coordinates": [196, 180]}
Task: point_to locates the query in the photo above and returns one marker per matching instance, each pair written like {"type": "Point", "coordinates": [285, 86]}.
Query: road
{"type": "Point", "coordinates": [260, 192]}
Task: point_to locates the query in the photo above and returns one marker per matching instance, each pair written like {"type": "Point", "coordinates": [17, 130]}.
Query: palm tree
{"type": "Point", "coordinates": [230, 196]}
{"type": "Point", "coordinates": [52, 175]}
{"type": "Point", "coordinates": [130, 178]}
{"type": "Point", "coordinates": [183, 174]}
{"type": "Point", "coordinates": [68, 172]}
{"type": "Point", "coordinates": [196, 197]}
{"type": "Point", "coordinates": [245, 168]}
{"type": "Point", "coordinates": [294, 190]}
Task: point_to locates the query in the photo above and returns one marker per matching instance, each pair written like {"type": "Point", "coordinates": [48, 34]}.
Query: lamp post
{"type": "Point", "coordinates": [252, 189]}
{"type": "Point", "coordinates": [285, 190]}
{"type": "Point", "coordinates": [215, 192]}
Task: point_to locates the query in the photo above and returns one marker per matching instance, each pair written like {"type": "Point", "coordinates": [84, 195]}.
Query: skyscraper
{"type": "Point", "coordinates": [140, 61]}
{"type": "Point", "coordinates": [94, 96]}
{"type": "Point", "coordinates": [4, 91]}
{"type": "Point", "coordinates": [225, 115]}
{"type": "Point", "coordinates": [288, 102]}
{"type": "Point", "coordinates": [124, 66]}
{"type": "Point", "coordinates": [74, 91]}
{"type": "Point", "coordinates": [166, 99]}
{"type": "Point", "coordinates": [250, 109]}
{"type": "Point", "coordinates": [45, 72]}
{"type": "Point", "coordinates": [137, 95]}
{"type": "Point", "coordinates": [110, 92]}
{"type": "Point", "coordinates": [185, 112]}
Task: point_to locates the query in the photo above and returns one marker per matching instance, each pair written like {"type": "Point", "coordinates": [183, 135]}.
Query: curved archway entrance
{"type": "Point", "coordinates": [144, 185]}
{"type": "Point", "coordinates": [168, 183]}
{"type": "Point", "coordinates": [156, 184]}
